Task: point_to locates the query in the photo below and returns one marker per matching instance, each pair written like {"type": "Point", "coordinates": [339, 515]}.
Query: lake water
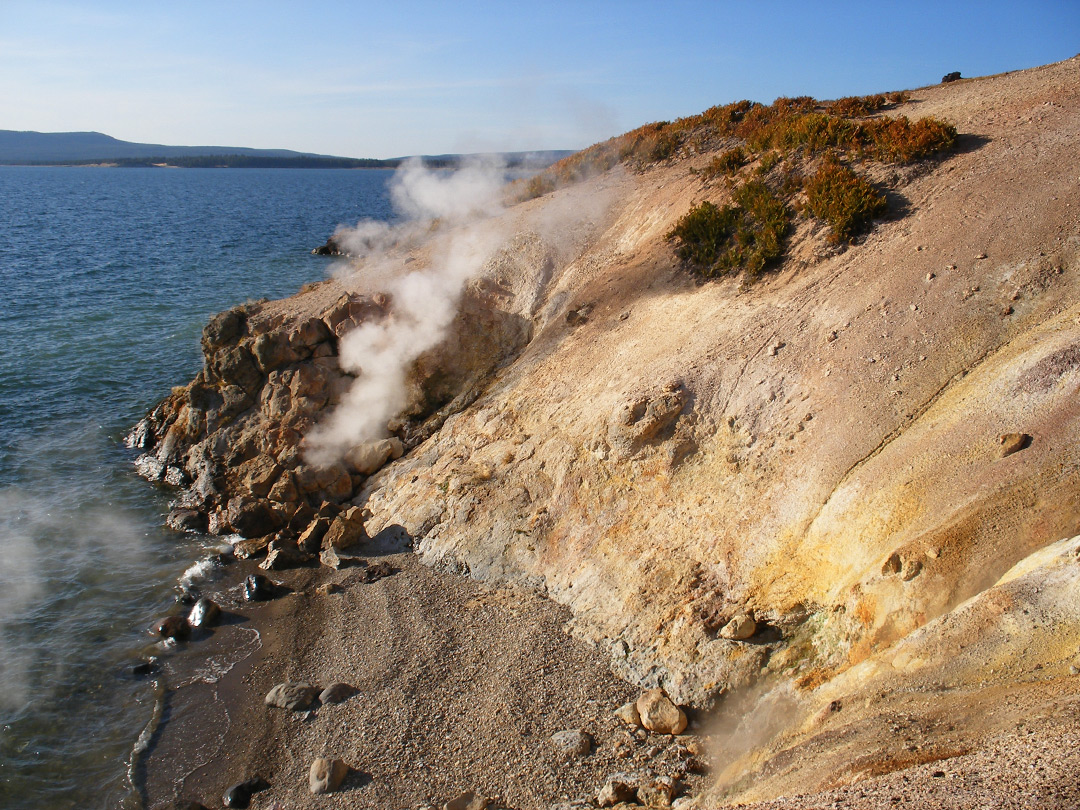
{"type": "Point", "coordinates": [109, 276]}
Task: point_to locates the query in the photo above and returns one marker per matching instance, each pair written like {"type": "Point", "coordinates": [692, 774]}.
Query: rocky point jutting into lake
{"type": "Point", "coordinates": [820, 488]}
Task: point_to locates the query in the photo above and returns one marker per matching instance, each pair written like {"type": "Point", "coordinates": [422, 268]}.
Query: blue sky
{"type": "Point", "coordinates": [386, 79]}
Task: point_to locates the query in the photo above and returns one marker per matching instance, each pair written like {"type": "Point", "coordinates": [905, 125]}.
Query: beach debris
{"type": "Point", "coordinates": [628, 713]}
{"type": "Point", "coordinates": [328, 588]}
{"type": "Point", "coordinates": [292, 696]}
{"type": "Point", "coordinates": [326, 774]}
{"type": "Point", "coordinates": [572, 742]}
{"type": "Point", "coordinates": [659, 714]}
{"type": "Point", "coordinates": [205, 613]}
{"type": "Point", "coordinates": [740, 627]}
{"type": "Point", "coordinates": [337, 693]}
{"type": "Point", "coordinates": [467, 801]}
{"type": "Point", "coordinates": [172, 627]}
{"type": "Point", "coordinates": [1010, 443]}
{"type": "Point", "coordinates": [239, 795]}
{"type": "Point", "coordinates": [618, 789]}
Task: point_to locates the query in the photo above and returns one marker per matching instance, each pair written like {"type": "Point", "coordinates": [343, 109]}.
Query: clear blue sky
{"type": "Point", "coordinates": [382, 79]}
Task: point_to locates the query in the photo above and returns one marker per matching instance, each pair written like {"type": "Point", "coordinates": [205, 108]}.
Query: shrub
{"type": "Point", "coordinates": [857, 106]}
{"type": "Point", "coordinates": [843, 199]}
{"type": "Point", "coordinates": [749, 235]}
{"type": "Point", "coordinates": [897, 139]}
{"type": "Point", "coordinates": [726, 163]}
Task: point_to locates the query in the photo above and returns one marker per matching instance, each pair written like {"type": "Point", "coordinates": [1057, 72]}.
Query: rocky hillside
{"type": "Point", "coordinates": [830, 510]}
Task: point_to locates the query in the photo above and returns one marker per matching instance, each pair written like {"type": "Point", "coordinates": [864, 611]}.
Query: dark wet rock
{"type": "Point", "coordinates": [205, 613]}
{"type": "Point", "coordinates": [331, 248]}
{"type": "Point", "coordinates": [326, 774]}
{"type": "Point", "coordinates": [258, 588]}
{"type": "Point", "coordinates": [239, 795]}
{"type": "Point", "coordinates": [146, 668]}
{"type": "Point", "coordinates": [185, 519]}
{"type": "Point", "coordinates": [173, 627]}
{"type": "Point", "coordinates": [295, 697]}
{"type": "Point", "coordinates": [376, 571]}
{"type": "Point", "coordinates": [572, 742]}
{"type": "Point", "coordinates": [337, 693]}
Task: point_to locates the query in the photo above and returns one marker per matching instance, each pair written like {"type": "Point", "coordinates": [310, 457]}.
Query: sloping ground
{"type": "Point", "coordinates": [855, 451]}
{"type": "Point", "coordinates": [689, 452]}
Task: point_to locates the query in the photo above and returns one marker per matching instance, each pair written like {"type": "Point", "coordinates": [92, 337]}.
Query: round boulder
{"type": "Point", "coordinates": [659, 714]}
{"type": "Point", "coordinates": [326, 774]}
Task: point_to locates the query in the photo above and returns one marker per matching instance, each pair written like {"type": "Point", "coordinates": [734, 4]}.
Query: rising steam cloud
{"type": "Point", "coordinates": [424, 302]}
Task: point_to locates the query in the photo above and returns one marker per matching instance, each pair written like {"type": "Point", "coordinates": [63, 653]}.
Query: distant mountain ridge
{"type": "Point", "coordinates": [27, 147]}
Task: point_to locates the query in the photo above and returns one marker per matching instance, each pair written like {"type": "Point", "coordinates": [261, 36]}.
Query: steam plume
{"type": "Point", "coordinates": [424, 302]}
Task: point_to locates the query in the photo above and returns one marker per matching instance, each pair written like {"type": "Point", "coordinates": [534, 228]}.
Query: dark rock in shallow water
{"type": "Point", "coordinates": [258, 588]}
{"type": "Point", "coordinates": [174, 627]}
{"type": "Point", "coordinates": [239, 795]}
{"type": "Point", "coordinates": [185, 519]}
{"type": "Point", "coordinates": [206, 613]}
{"type": "Point", "coordinates": [145, 668]}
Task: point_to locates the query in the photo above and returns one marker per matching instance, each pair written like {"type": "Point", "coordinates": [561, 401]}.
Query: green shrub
{"type": "Point", "coordinates": [748, 235]}
{"type": "Point", "coordinates": [843, 199]}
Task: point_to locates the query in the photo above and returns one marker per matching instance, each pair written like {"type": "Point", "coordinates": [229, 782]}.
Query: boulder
{"type": "Point", "coordinates": [337, 693]}
{"type": "Point", "coordinates": [258, 475]}
{"type": "Point", "coordinates": [224, 329]}
{"type": "Point", "coordinates": [284, 490]}
{"type": "Point", "coordinates": [326, 774]}
{"type": "Point", "coordinates": [282, 557]}
{"type": "Point", "coordinates": [311, 538]}
{"type": "Point", "coordinates": [295, 697]}
{"type": "Point", "coordinates": [172, 627]}
{"type": "Point", "coordinates": [951, 77]}
{"type": "Point", "coordinates": [572, 743]}
{"type": "Point", "coordinates": [657, 792]}
{"type": "Point", "coordinates": [258, 588]}
{"type": "Point", "coordinates": [618, 789]}
{"type": "Point", "coordinates": [252, 547]}
{"type": "Point", "coordinates": [346, 530]}
{"type": "Point", "coordinates": [369, 457]}
{"type": "Point", "coordinates": [329, 557]}
{"type": "Point", "coordinates": [659, 714]}
{"type": "Point", "coordinates": [740, 627]}
{"type": "Point", "coordinates": [273, 350]}
{"type": "Point", "coordinates": [205, 613]}
{"type": "Point", "coordinates": [186, 519]}
{"type": "Point", "coordinates": [251, 518]}
{"type": "Point", "coordinates": [628, 713]}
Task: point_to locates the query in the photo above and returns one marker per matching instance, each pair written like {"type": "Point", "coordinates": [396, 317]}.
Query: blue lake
{"type": "Point", "coordinates": [108, 278]}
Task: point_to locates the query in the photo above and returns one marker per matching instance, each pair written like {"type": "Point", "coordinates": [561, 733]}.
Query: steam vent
{"type": "Point", "coordinates": [799, 468]}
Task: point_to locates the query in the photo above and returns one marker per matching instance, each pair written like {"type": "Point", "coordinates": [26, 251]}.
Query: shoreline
{"type": "Point", "coordinates": [462, 686]}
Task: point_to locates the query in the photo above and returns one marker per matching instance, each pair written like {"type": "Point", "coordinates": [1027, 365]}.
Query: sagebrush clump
{"type": "Point", "coordinates": [843, 199]}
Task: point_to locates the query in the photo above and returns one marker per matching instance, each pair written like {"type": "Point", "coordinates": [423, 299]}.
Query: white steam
{"type": "Point", "coordinates": [423, 302]}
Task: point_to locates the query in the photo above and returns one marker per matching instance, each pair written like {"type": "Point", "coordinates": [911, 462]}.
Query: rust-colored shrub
{"type": "Point", "coordinates": [843, 199]}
